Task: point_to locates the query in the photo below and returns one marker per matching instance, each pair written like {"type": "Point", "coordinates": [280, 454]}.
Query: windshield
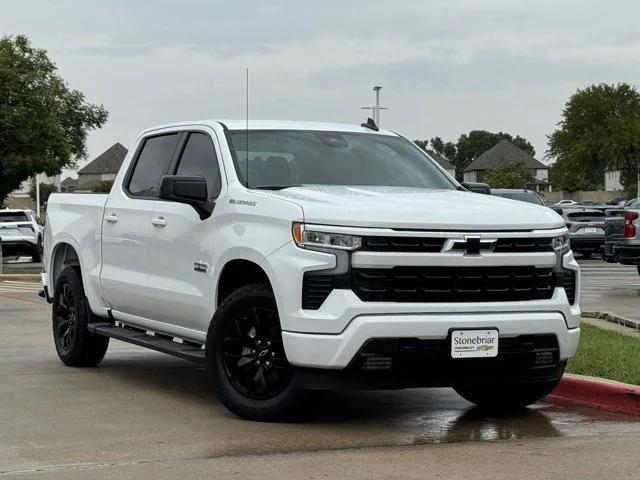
{"type": "Point", "coordinates": [280, 158]}
{"type": "Point", "coordinates": [13, 217]}
{"type": "Point", "coordinates": [521, 196]}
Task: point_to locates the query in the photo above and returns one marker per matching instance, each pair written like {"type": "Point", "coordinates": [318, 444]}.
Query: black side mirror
{"type": "Point", "coordinates": [188, 190]}
{"type": "Point", "coordinates": [477, 187]}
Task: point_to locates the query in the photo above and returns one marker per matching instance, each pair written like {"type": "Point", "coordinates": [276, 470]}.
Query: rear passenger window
{"type": "Point", "coordinates": [199, 159]}
{"type": "Point", "coordinates": [152, 163]}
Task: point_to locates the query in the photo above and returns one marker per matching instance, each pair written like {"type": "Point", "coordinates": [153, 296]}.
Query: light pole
{"type": "Point", "coordinates": [37, 196]}
{"type": "Point", "coordinates": [376, 108]}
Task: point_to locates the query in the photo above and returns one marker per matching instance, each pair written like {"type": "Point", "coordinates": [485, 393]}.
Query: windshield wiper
{"type": "Point", "coordinates": [274, 187]}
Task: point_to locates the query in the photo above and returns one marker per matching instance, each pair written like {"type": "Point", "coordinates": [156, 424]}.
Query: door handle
{"type": "Point", "coordinates": [113, 218]}
{"type": "Point", "coordinates": [159, 222]}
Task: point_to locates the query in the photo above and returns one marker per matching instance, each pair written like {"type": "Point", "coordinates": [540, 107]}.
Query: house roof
{"type": "Point", "coordinates": [503, 152]}
{"type": "Point", "coordinates": [108, 161]}
{"type": "Point", "coordinates": [442, 161]}
{"type": "Point", "coordinates": [69, 182]}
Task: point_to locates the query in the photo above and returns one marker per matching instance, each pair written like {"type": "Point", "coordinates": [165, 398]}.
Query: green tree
{"type": "Point", "coordinates": [600, 128]}
{"type": "Point", "coordinates": [471, 145]}
{"type": "Point", "coordinates": [102, 187]}
{"type": "Point", "coordinates": [43, 123]}
{"type": "Point", "coordinates": [511, 175]}
{"type": "Point", "coordinates": [46, 189]}
{"type": "Point", "coordinates": [436, 144]}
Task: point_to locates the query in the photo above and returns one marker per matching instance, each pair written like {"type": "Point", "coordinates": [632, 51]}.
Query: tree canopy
{"type": "Point", "coordinates": [511, 175]}
{"type": "Point", "coordinates": [43, 122]}
{"type": "Point", "coordinates": [600, 128]}
{"type": "Point", "coordinates": [471, 145]}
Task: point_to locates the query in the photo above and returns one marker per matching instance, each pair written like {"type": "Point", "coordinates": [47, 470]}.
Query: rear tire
{"type": "Point", "coordinates": [586, 255]}
{"type": "Point", "coordinates": [36, 256]}
{"type": "Point", "coordinates": [245, 357]}
{"type": "Point", "coordinates": [76, 346]}
{"type": "Point", "coordinates": [507, 397]}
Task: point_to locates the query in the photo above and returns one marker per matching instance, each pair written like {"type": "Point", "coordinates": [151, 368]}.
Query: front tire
{"type": "Point", "coordinates": [246, 359]}
{"type": "Point", "coordinates": [76, 346]}
{"type": "Point", "coordinates": [505, 397]}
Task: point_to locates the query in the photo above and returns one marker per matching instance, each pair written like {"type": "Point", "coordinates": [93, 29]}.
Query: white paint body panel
{"type": "Point", "coordinates": [144, 273]}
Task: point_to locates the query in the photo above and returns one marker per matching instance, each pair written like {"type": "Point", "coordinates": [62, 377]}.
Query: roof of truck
{"type": "Point", "coordinates": [278, 125]}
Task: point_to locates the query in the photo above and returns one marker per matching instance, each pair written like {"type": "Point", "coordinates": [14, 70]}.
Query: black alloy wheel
{"type": "Point", "coordinates": [253, 355]}
{"type": "Point", "coordinates": [65, 318]}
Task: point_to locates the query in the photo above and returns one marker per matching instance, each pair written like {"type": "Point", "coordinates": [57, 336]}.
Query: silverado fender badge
{"type": "Point", "coordinates": [248, 203]}
{"type": "Point", "coordinates": [200, 267]}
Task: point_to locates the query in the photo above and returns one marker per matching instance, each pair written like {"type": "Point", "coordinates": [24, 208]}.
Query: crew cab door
{"type": "Point", "coordinates": [126, 227]}
{"type": "Point", "coordinates": [182, 245]}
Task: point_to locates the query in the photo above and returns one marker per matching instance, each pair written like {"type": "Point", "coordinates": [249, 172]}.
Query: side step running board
{"type": "Point", "coordinates": [161, 344]}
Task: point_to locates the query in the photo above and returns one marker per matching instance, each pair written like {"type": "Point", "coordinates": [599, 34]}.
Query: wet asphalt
{"type": "Point", "coordinates": [143, 414]}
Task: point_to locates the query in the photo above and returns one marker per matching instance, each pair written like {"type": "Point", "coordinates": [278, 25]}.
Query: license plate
{"type": "Point", "coordinates": [474, 343]}
{"type": "Point", "coordinates": [591, 230]}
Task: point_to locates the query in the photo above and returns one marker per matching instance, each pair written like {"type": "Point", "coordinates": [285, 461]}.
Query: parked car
{"type": "Point", "coordinates": [296, 257]}
{"type": "Point", "coordinates": [520, 194]}
{"type": "Point", "coordinates": [21, 232]}
{"type": "Point", "coordinates": [565, 203]}
{"type": "Point", "coordinates": [622, 241]}
{"type": "Point", "coordinates": [586, 228]}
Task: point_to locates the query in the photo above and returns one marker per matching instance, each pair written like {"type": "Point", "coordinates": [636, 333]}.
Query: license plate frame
{"type": "Point", "coordinates": [474, 343]}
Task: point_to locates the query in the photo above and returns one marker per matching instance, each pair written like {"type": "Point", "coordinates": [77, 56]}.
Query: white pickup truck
{"type": "Point", "coordinates": [297, 257]}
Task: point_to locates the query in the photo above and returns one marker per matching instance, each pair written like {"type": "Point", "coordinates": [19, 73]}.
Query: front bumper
{"type": "Point", "coordinates": [330, 337]}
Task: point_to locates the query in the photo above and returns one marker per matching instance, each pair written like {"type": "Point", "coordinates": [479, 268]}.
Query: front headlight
{"type": "Point", "coordinates": [561, 243]}
{"type": "Point", "coordinates": [306, 238]}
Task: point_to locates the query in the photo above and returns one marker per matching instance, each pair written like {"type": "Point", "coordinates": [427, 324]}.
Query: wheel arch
{"type": "Point", "coordinates": [237, 273]}
{"type": "Point", "coordinates": [63, 255]}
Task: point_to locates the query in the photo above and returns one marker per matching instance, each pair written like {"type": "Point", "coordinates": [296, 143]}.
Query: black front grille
{"type": "Point", "coordinates": [402, 244]}
{"type": "Point", "coordinates": [434, 245]}
{"type": "Point", "coordinates": [509, 245]}
{"type": "Point", "coordinates": [453, 284]}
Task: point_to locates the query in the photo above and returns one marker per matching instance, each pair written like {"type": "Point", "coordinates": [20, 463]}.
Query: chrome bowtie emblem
{"type": "Point", "coordinates": [471, 245]}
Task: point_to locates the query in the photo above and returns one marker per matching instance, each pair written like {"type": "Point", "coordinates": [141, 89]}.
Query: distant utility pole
{"type": "Point", "coordinates": [376, 108]}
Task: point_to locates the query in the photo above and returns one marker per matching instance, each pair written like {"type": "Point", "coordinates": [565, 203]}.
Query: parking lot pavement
{"type": "Point", "coordinates": [142, 414]}
{"type": "Point", "coordinates": [610, 287]}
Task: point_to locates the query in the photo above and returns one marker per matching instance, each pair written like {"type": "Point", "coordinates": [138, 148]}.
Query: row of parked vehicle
{"type": "Point", "coordinates": [612, 228]}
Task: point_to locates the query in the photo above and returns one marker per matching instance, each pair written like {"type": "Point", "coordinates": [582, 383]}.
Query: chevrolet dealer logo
{"type": "Point", "coordinates": [472, 245]}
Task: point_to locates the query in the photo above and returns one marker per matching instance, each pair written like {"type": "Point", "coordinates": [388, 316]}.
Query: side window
{"type": "Point", "coordinates": [151, 164]}
{"type": "Point", "coordinates": [199, 158]}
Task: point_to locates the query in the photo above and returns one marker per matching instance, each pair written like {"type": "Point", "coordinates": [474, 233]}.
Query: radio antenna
{"type": "Point", "coordinates": [247, 123]}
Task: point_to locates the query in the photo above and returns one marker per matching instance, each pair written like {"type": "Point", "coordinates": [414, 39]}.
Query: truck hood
{"type": "Point", "coordinates": [416, 208]}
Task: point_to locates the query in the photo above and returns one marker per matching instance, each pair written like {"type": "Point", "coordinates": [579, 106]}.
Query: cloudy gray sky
{"type": "Point", "coordinates": [446, 67]}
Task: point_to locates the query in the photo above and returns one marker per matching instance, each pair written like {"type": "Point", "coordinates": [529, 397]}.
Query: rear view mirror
{"type": "Point", "coordinates": [477, 187]}
{"type": "Point", "coordinates": [188, 190]}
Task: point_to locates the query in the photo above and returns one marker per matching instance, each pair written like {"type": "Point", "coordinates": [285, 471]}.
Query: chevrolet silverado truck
{"type": "Point", "coordinates": [292, 258]}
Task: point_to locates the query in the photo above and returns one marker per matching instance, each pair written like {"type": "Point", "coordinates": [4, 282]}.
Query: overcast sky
{"type": "Point", "coordinates": [446, 67]}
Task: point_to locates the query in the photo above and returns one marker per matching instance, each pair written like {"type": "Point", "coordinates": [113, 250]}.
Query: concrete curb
{"type": "Point", "coordinates": [613, 318]}
{"type": "Point", "coordinates": [598, 393]}
{"type": "Point", "coordinates": [20, 276]}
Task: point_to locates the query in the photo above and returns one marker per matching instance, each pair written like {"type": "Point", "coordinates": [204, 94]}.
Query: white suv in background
{"type": "Point", "coordinates": [21, 233]}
